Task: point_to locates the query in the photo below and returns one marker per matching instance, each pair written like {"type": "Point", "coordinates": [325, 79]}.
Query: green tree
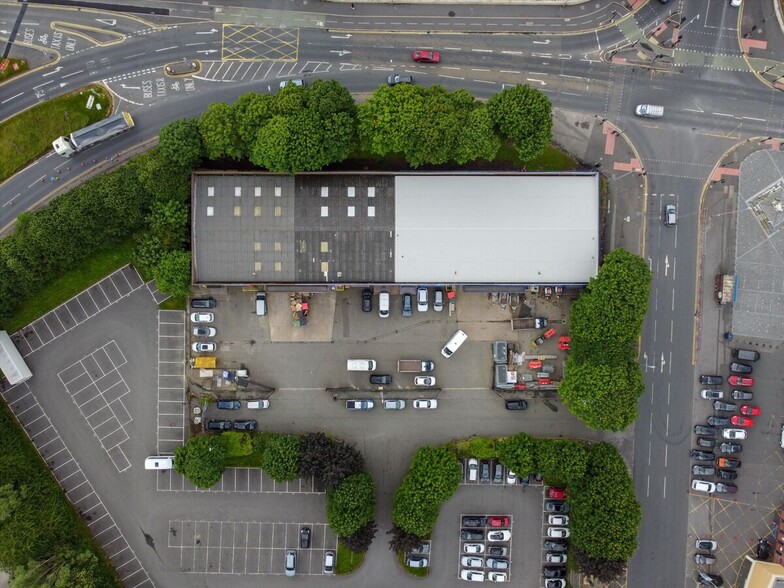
{"type": "Point", "coordinates": [68, 568]}
{"type": "Point", "coordinates": [329, 97]}
{"type": "Point", "coordinates": [603, 396]}
{"type": "Point", "coordinates": [361, 540]}
{"type": "Point", "coordinates": [434, 472]}
{"type": "Point", "coordinates": [201, 459]}
{"type": "Point", "coordinates": [173, 273]}
{"type": "Point", "coordinates": [352, 504]}
{"type": "Point", "coordinates": [563, 460]}
{"type": "Point", "coordinates": [390, 117]}
{"type": "Point", "coordinates": [402, 541]}
{"type": "Point", "coordinates": [163, 180]}
{"type": "Point", "coordinates": [180, 143]}
{"type": "Point", "coordinates": [238, 443]}
{"type": "Point", "coordinates": [606, 514]}
{"type": "Point", "coordinates": [147, 252]}
{"type": "Point", "coordinates": [9, 501]}
{"type": "Point", "coordinates": [220, 132]}
{"type": "Point", "coordinates": [281, 458]}
{"type": "Point", "coordinates": [524, 116]}
{"type": "Point", "coordinates": [518, 453]}
{"type": "Point", "coordinates": [328, 460]}
{"type": "Point", "coordinates": [413, 511]}
{"type": "Point", "coordinates": [477, 138]}
{"type": "Point", "coordinates": [252, 112]}
{"type": "Point", "coordinates": [170, 221]}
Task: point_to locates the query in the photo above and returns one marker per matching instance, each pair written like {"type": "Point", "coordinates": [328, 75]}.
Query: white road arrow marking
{"type": "Point", "coordinates": [341, 36]}
{"type": "Point", "coordinates": [662, 363]}
{"type": "Point", "coordinates": [537, 81]}
{"type": "Point", "coordinates": [210, 32]}
{"type": "Point", "coordinates": [341, 53]}
{"type": "Point", "coordinates": [547, 42]}
{"type": "Point", "coordinates": [666, 264]}
{"type": "Point", "coordinates": [208, 51]}
{"type": "Point", "coordinates": [130, 87]}
{"type": "Point", "coordinates": [107, 21]}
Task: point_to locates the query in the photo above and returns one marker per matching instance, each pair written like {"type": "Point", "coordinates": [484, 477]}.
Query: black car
{"type": "Point", "coordinates": [367, 300]}
{"type": "Point", "coordinates": [516, 405]}
{"type": "Point", "coordinates": [762, 551]}
{"type": "Point", "coordinates": [705, 431]}
{"type": "Point", "coordinates": [730, 447]}
{"type": "Point", "coordinates": [203, 303]}
{"type": "Point", "coordinates": [497, 551]}
{"type": "Point", "coordinates": [396, 79]}
{"type": "Point", "coordinates": [474, 521]}
{"type": "Point", "coordinates": [484, 469]}
{"type": "Point", "coordinates": [722, 406]}
{"type": "Point", "coordinates": [700, 470]}
{"type": "Point", "coordinates": [707, 579]}
{"type": "Point", "coordinates": [554, 571]}
{"type": "Point", "coordinates": [727, 474]}
{"type": "Point", "coordinates": [740, 368]}
{"type": "Point", "coordinates": [380, 379]}
{"type": "Point", "coordinates": [498, 473]}
{"type": "Point", "coordinates": [407, 302]}
{"type": "Point", "coordinates": [717, 421]}
{"type": "Point", "coordinates": [472, 535]}
{"type": "Point", "coordinates": [726, 488]}
{"type": "Point", "coordinates": [556, 545]}
{"type": "Point", "coordinates": [558, 506]}
{"type": "Point", "coordinates": [711, 380]}
{"type": "Point", "coordinates": [706, 442]}
{"type": "Point", "coordinates": [304, 538]}
{"type": "Point", "coordinates": [700, 455]}
{"type": "Point", "coordinates": [229, 404]}
{"type": "Point", "coordinates": [248, 425]}
{"type": "Point", "coordinates": [742, 395]}
{"type": "Point", "coordinates": [218, 425]}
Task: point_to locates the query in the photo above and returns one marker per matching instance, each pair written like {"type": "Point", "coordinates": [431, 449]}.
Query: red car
{"type": "Point", "coordinates": [750, 410]}
{"type": "Point", "coordinates": [424, 56]}
{"type": "Point", "coordinates": [557, 493]}
{"type": "Point", "coordinates": [742, 421]}
{"type": "Point", "coordinates": [534, 364]}
{"type": "Point", "coordinates": [549, 333]}
{"type": "Point", "coordinates": [741, 381]}
{"type": "Point", "coordinates": [497, 521]}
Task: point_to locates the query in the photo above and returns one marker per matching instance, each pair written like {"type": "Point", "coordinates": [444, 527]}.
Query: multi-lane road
{"type": "Point", "coordinates": [711, 99]}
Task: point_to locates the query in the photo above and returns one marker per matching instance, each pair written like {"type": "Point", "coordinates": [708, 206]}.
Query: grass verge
{"type": "Point", "coordinates": [13, 68]}
{"type": "Point", "coordinates": [348, 561]}
{"type": "Point", "coordinates": [29, 135]}
{"type": "Point", "coordinates": [478, 447]}
{"type": "Point", "coordinates": [92, 269]}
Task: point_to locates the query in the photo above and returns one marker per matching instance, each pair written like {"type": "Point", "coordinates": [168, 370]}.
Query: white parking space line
{"type": "Point", "coordinates": [169, 436]}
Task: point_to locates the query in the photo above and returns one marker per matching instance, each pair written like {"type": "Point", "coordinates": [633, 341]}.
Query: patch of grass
{"type": "Point", "coordinates": [420, 572]}
{"type": "Point", "coordinates": [347, 560]}
{"type": "Point", "coordinates": [174, 303]}
{"type": "Point", "coordinates": [260, 441]}
{"type": "Point", "coordinates": [110, 258]}
{"type": "Point", "coordinates": [29, 135]}
{"type": "Point", "coordinates": [478, 447]}
{"type": "Point", "coordinates": [14, 68]}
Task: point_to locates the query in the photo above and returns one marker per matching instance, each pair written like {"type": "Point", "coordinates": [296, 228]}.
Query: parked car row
{"type": "Point", "coordinates": [422, 293]}
{"type": "Point", "coordinates": [490, 471]}
{"type": "Point", "coordinates": [226, 425]}
{"type": "Point", "coordinates": [290, 565]}
{"type": "Point", "coordinates": [237, 404]}
{"type": "Point", "coordinates": [419, 381]}
{"type": "Point", "coordinates": [556, 534]}
{"type": "Point", "coordinates": [419, 557]}
{"type": "Point", "coordinates": [200, 318]}
{"type": "Point", "coordinates": [483, 555]}
{"type": "Point", "coordinates": [391, 404]}
{"type": "Point", "coordinates": [706, 559]}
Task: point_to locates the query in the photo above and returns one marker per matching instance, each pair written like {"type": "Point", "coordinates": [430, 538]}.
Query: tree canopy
{"type": "Point", "coordinates": [524, 116]}
{"type": "Point", "coordinates": [201, 459]}
{"type": "Point", "coordinates": [352, 505]}
{"type": "Point", "coordinates": [281, 457]}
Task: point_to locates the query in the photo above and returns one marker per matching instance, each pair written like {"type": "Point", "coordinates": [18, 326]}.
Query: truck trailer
{"type": "Point", "coordinates": [93, 134]}
{"type": "Point", "coordinates": [411, 366]}
{"type": "Point", "coordinates": [519, 324]}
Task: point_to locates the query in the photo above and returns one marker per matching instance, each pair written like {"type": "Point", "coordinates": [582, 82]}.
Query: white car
{"type": "Point", "coordinates": [394, 404]}
{"type": "Point", "coordinates": [202, 317]}
{"type": "Point", "coordinates": [422, 304]}
{"type": "Point", "coordinates": [499, 535]}
{"type": "Point", "coordinates": [424, 381]}
{"type": "Point", "coordinates": [703, 486]}
{"type": "Point", "coordinates": [473, 469]}
{"type": "Point", "coordinates": [204, 331]}
{"type": "Point", "coordinates": [473, 548]}
{"type": "Point", "coordinates": [559, 583]}
{"type": "Point", "coordinates": [203, 347]}
{"type": "Point", "coordinates": [734, 433]}
{"type": "Point", "coordinates": [558, 520]}
{"type": "Point", "coordinates": [295, 81]}
{"type": "Point", "coordinates": [511, 477]}
{"type": "Point", "coordinates": [472, 562]}
{"type": "Point", "coordinates": [558, 532]}
{"type": "Point", "coordinates": [472, 576]}
{"type": "Point", "coordinates": [555, 558]}
{"type": "Point", "coordinates": [497, 576]}
{"type": "Point", "coordinates": [426, 404]}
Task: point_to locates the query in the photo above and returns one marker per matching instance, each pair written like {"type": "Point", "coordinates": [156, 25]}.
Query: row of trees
{"type": "Point", "coordinates": [603, 380]}
{"type": "Point", "coordinates": [605, 515]}
{"type": "Point", "coordinates": [308, 128]}
{"type": "Point", "coordinates": [351, 492]}
{"type": "Point", "coordinates": [43, 542]}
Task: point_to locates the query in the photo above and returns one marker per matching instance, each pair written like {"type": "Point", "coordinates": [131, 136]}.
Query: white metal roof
{"type": "Point", "coordinates": [529, 229]}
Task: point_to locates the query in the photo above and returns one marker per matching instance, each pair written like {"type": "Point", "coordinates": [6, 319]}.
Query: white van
{"type": "Point", "coordinates": [261, 303]}
{"type": "Point", "coordinates": [361, 365]}
{"type": "Point", "coordinates": [649, 111]}
{"type": "Point", "coordinates": [454, 344]}
{"type": "Point", "coordinates": [383, 305]}
{"type": "Point", "coordinates": [159, 462]}
{"type": "Point", "coordinates": [257, 404]}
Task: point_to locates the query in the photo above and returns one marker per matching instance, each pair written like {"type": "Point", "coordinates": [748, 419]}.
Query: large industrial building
{"type": "Point", "coordinates": [475, 230]}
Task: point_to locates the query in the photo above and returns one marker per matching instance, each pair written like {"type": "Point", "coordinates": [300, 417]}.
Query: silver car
{"type": "Point", "coordinates": [291, 563]}
{"type": "Point", "coordinates": [670, 215]}
{"type": "Point", "coordinates": [394, 404]}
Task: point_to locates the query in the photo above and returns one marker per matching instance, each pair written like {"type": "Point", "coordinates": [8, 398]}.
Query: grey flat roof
{"type": "Point", "coordinates": [11, 361]}
{"type": "Point", "coordinates": [496, 228]}
{"type": "Point", "coordinates": [381, 228]}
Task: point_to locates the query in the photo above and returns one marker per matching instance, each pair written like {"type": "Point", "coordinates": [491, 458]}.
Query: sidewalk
{"type": "Point", "coordinates": [761, 38]}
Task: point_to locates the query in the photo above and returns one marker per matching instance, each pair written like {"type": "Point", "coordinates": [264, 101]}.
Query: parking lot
{"type": "Point", "coordinates": [220, 547]}
{"type": "Point", "coordinates": [239, 480]}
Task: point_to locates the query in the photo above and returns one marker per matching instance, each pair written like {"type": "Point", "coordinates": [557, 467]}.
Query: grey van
{"type": "Point", "coordinates": [261, 303]}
